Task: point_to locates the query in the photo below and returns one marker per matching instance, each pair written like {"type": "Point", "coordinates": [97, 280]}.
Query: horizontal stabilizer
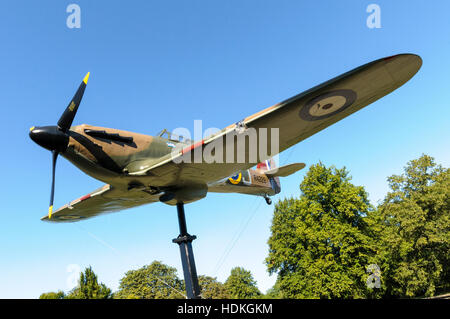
{"type": "Point", "coordinates": [285, 170]}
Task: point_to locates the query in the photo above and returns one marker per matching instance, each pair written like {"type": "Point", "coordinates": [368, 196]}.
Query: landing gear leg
{"type": "Point", "coordinates": [184, 240]}
{"type": "Point", "coordinates": [268, 200]}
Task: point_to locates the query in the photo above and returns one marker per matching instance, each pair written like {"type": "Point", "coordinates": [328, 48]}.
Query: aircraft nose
{"type": "Point", "coordinates": [49, 137]}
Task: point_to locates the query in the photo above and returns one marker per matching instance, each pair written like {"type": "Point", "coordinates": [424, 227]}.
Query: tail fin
{"type": "Point", "coordinates": [268, 166]}
{"type": "Point", "coordinates": [273, 172]}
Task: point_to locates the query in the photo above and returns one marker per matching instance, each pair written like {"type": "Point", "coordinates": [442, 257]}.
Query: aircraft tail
{"type": "Point", "coordinates": [273, 172]}
{"type": "Point", "coordinates": [268, 166]}
{"type": "Point", "coordinates": [285, 170]}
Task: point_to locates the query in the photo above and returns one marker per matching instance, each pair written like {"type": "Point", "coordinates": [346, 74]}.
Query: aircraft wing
{"type": "Point", "coordinates": [296, 118]}
{"type": "Point", "coordinates": [106, 199]}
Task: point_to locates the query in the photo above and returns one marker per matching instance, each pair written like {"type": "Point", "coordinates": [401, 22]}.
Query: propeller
{"type": "Point", "coordinates": [52, 193]}
{"type": "Point", "coordinates": [56, 138]}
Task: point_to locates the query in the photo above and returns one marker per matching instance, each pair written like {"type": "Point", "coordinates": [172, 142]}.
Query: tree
{"type": "Point", "coordinates": [89, 288]}
{"type": "Point", "coordinates": [274, 292]}
{"type": "Point", "coordinates": [154, 281]}
{"type": "Point", "coordinates": [212, 289]}
{"type": "Point", "coordinates": [320, 244]}
{"type": "Point", "coordinates": [414, 231]}
{"type": "Point", "coordinates": [53, 295]}
{"type": "Point", "coordinates": [241, 284]}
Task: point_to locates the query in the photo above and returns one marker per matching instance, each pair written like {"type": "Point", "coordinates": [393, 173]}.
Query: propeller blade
{"type": "Point", "coordinates": [67, 117]}
{"type": "Point", "coordinates": [52, 193]}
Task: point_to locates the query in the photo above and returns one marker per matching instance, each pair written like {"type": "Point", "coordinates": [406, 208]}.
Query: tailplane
{"type": "Point", "coordinates": [273, 173]}
{"type": "Point", "coordinates": [285, 170]}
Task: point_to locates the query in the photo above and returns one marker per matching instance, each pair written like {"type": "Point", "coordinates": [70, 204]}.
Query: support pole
{"type": "Point", "coordinates": [184, 240]}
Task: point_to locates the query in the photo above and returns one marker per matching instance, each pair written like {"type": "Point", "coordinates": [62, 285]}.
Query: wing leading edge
{"type": "Point", "coordinates": [106, 199]}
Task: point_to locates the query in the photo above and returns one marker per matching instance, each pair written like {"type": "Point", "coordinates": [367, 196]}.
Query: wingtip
{"type": "Point", "coordinates": [86, 78]}
{"type": "Point", "coordinates": [403, 67]}
{"type": "Point", "coordinates": [45, 218]}
{"type": "Point", "coordinates": [411, 56]}
{"type": "Point", "coordinates": [402, 55]}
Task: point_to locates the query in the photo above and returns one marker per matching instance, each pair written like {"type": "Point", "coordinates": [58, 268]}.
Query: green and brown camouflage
{"type": "Point", "coordinates": [140, 169]}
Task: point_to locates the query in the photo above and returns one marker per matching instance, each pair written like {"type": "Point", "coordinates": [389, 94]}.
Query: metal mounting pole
{"type": "Point", "coordinates": [184, 240]}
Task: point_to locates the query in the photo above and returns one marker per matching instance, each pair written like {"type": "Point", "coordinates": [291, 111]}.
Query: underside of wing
{"type": "Point", "coordinates": [292, 121]}
{"type": "Point", "coordinates": [103, 200]}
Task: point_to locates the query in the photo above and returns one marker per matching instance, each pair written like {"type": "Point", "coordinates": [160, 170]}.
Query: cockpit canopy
{"type": "Point", "coordinates": [173, 137]}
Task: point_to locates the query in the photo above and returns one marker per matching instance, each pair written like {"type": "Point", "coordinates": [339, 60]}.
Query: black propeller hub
{"type": "Point", "coordinates": [50, 137]}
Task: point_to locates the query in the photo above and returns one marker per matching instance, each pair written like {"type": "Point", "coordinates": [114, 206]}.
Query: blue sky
{"type": "Point", "coordinates": [164, 64]}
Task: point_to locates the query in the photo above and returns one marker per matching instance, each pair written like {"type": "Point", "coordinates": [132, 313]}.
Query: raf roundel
{"type": "Point", "coordinates": [236, 179]}
{"type": "Point", "coordinates": [327, 104]}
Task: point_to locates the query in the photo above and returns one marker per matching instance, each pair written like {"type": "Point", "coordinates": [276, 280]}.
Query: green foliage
{"type": "Point", "coordinates": [53, 295]}
{"type": "Point", "coordinates": [212, 289]}
{"type": "Point", "coordinates": [320, 244]}
{"type": "Point", "coordinates": [89, 288]}
{"type": "Point", "coordinates": [414, 231]}
{"type": "Point", "coordinates": [241, 284]}
{"type": "Point", "coordinates": [154, 281]}
{"type": "Point", "coordinates": [274, 292]}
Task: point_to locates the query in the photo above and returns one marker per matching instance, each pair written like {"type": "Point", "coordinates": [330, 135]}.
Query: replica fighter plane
{"type": "Point", "coordinates": [140, 169]}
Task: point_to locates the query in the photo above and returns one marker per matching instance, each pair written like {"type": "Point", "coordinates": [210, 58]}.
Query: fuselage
{"type": "Point", "coordinates": [112, 155]}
